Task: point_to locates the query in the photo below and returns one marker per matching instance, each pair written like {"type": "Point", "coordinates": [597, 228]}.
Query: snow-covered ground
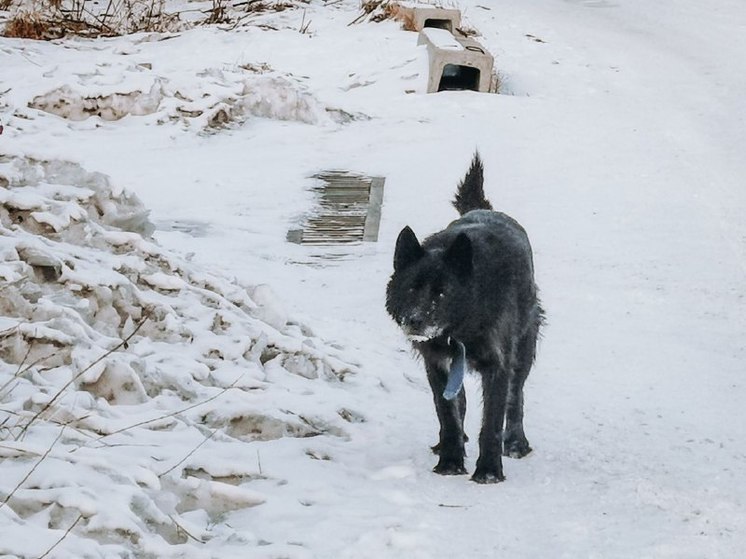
{"type": "Point", "coordinates": [292, 420]}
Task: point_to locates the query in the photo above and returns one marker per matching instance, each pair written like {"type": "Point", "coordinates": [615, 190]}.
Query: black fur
{"type": "Point", "coordinates": [472, 282]}
{"type": "Point", "coordinates": [470, 192]}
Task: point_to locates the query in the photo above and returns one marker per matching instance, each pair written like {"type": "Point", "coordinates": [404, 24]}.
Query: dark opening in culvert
{"type": "Point", "coordinates": [457, 77]}
{"type": "Point", "coordinates": [446, 24]}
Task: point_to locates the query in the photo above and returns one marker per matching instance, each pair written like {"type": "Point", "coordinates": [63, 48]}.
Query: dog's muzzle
{"type": "Point", "coordinates": [420, 333]}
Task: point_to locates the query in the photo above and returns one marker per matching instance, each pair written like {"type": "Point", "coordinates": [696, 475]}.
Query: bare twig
{"type": "Point", "coordinates": [172, 468]}
{"type": "Point", "coordinates": [23, 450]}
{"type": "Point", "coordinates": [103, 26]}
{"type": "Point", "coordinates": [56, 422]}
{"type": "Point", "coordinates": [48, 405]}
{"type": "Point", "coordinates": [35, 363]}
{"type": "Point", "coordinates": [58, 542]}
{"type": "Point", "coordinates": [249, 4]}
{"type": "Point", "coordinates": [358, 19]}
{"type": "Point", "coordinates": [20, 365]}
{"type": "Point", "coordinates": [172, 414]}
{"type": "Point", "coordinates": [26, 369]}
{"type": "Point", "coordinates": [303, 25]}
{"type": "Point", "coordinates": [238, 22]}
{"type": "Point", "coordinates": [4, 386]}
{"type": "Point", "coordinates": [28, 475]}
{"type": "Point", "coordinates": [218, 13]}
{"type": "Point", "coordinates": [28, 352]}
{"type": "Point", "coordinates": [180, 527]}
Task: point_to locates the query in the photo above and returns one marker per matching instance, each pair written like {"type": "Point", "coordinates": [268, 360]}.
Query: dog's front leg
{"type": "Point", "coordinates": [494, 392]}
{"type": "Point", "coordinates": [450, 413]}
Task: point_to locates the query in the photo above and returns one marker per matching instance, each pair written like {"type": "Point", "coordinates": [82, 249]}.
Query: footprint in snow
{"type": "Point", "coordinates": [400, 471]}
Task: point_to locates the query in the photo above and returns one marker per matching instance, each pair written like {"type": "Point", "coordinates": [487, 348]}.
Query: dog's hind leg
{"type": "Point", "coordinates": [450, 412]}
{"type": "Point", "coordinates": [515, 443]}
{"type": "Point", "coordinates": [494, 391]}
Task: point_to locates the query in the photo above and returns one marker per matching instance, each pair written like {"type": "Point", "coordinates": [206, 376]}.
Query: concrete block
{"type": "Point", "coordinates": [456, 62]}
{"type": "Point", "coordinates": [417, 17]}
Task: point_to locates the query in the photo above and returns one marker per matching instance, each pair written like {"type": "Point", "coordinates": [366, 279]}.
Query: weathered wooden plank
{"type": "Point", "coordinates": [349, 211]}
{"type": "Point", "coordinates": [373, 216]}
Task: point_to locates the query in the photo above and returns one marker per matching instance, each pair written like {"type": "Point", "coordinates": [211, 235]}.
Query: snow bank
{"type": "Point", "coordinates": [125, 372]}
{"type": "Point", "coordinates": [73, 105]}
{"type": "Point", "coordinates": [222, 97]}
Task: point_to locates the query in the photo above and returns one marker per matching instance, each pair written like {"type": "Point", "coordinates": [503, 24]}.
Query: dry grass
{"type": "Point", "coordinates": [498, 82]}
{"type": "Point", "coordinates": [373, 10]}
{"type": "Point", "coordinates": [28, 25]}
{"type": "Point", "coordinates": [218, 13]}
{"type": "Point", "coordinates": [383, 10]}
{"type": "Point", "coordinates": [393, 11]}
{"type": "Point", "coordinates": [51, 19]}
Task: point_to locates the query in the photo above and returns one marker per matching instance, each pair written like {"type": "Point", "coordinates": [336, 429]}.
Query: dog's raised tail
{"type": "Point", "coordinates": [470, 192]}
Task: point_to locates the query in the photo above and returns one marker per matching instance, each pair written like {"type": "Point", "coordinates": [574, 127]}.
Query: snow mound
{"type": "Point", "coordinates": [273, 97]}
{"type": "Point", "coordinates": [128, 377]}
{"type": "Point", "coordinates": [66, 103]}
{"type": "Point", "coordinates": [219, 98]}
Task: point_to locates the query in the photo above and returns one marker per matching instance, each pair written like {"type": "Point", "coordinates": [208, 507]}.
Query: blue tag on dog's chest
{"type": "Point", "coordinates": [456, 374]}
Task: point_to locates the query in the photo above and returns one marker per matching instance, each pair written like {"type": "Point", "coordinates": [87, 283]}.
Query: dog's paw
{"type": "Point", "coordinates": [436, 447]}
{"type": "Point", "coordinates": [486, 477]}
{"type": "Point", "coordinates": [517, 448]}
{"type": "Point", "coordinates": [450, 468]}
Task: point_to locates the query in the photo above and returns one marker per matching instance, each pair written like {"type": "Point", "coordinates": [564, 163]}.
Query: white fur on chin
{"type": "Point", "coordinates": [418, 338]}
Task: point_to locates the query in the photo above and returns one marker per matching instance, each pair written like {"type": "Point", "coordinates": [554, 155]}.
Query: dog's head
{"type": "Point", "coordinates": [429, 290]}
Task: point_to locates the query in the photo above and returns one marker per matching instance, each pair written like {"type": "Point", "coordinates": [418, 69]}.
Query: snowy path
{"type": "Point", "coordinates": [620, 150]}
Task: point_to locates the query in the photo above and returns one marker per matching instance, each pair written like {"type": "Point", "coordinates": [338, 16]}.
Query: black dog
{"type": "Point", "coordinates": [470, 289]}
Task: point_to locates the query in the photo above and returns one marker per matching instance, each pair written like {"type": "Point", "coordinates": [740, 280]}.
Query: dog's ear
{"type": "Point", "coordinates": [408, 249]}
{"type": "Point", "coordinates": [459, 255]}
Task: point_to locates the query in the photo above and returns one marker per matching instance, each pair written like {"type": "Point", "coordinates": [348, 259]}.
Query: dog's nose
{"type": "Point", "coordinates": [415, 324]}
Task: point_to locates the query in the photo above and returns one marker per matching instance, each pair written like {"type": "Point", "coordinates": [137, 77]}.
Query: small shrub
{"type": "Point", "coordinates": [51, 19]}
{"type": "Point", "coordinates": [218, 13]}
{"type": "Point", "coordinates": [382, 10]}
{"type": "Point", "coordinates": [28, 25]}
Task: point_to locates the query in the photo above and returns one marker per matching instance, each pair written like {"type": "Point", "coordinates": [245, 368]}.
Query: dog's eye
{"type": "Point", "coordinates": [416, 286]}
